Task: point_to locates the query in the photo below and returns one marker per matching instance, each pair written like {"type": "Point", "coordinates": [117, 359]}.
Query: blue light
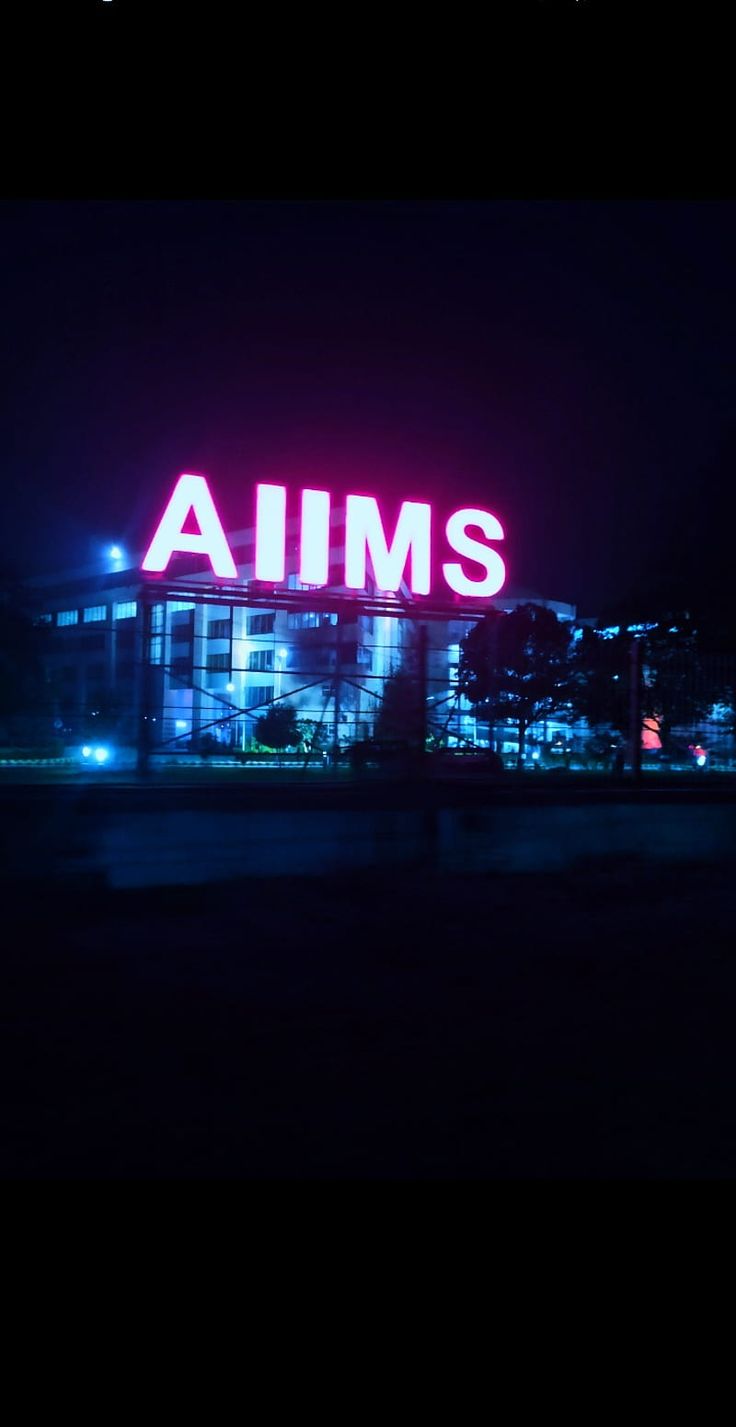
{"type": "Point", "coordinates": [86, 751]}
{"type": "Point", "coordinates": [115, 552]}
{"type": "Point", "coordinates": [102, 755]}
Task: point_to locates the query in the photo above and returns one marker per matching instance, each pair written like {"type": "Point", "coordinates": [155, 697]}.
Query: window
{"type": "Point", "coordinates": [311, 620]}
{"type": "Point", "coordinates": [157, 619]}
{"type": "Point", "coordinates": [127, 609]}
{"type": "Point", "coordinates": [258, 694]}
{"type": "Point", "coordinates": [218, 662]}
{"type": "Point", "coordinates": [261, 659]}
{"type": "Point", "coordinates": [156, 648]}
{"type": "Point", "coordinates": [178, 606]}
{"type": "Point", "coordinates": [182, 627]}
{"type": "Point", "coordinates": [94, 613]}
{"type": "Point", "coordinates": [67, 616]}
{"type": "Point", "coordinates": [218, 629]}
{"type": "Point", "coordinates": [44, 619]}
{"type": "Point", "coordinates": [364, 657]}
{"type": "Point", "coordinates": [181, 672]}
{"type": "Point", "coordinates": [261, 623]}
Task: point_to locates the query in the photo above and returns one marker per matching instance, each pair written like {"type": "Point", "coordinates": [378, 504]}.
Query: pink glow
{"type": "Point", "coordinates": [191, 493]}
{"type": "Point", "coordinates": [364, 534]}
{"type": "Point", "coordinates": [314, 561]}
{"type": "Point", "coordinates": [471, 549]}
{"type": "Point", "coordinates": [270, 533]}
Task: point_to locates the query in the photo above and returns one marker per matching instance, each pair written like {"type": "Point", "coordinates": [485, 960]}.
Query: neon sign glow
{"type": "Point", "coordinates": [365, 536]}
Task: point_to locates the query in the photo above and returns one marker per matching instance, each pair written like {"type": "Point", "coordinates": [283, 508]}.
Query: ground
{"type": "Point", "coordinates": [375, 1027]}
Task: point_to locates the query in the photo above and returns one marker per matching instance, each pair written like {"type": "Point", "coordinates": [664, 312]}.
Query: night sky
{"type": "Point", "coordinates": [568, 365]}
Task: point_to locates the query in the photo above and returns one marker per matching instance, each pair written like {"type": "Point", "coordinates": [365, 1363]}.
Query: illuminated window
{"type": "Point", "coordinates": [156, 648]}
{"type": "Point", "coordinates": [157, 619]}
{"type": "Point", "coordinates": [126, 609]}
{"type": "Point", "coordinates": [176, 606]}
{"type": "Point", "coordinates": [67, 616]}
{"type": "Point", "coordinates": [261, 659]}
{"type": "Point", "coordinates": [94, 613]}
{"type": "Point", "coordinates": [44, 619]}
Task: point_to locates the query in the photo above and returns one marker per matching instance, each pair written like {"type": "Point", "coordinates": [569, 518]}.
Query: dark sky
{"type": "Point", "coordinates": [569, 365]}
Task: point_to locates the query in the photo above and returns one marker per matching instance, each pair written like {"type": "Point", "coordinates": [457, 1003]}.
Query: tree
{"type": "Point", "coordinates": [278, 728]}
{"type": "Point", "coordinates": [518, 666]}
{"type": "Point", "coordinates": [314, 735]}
{"type": "Point", "coordinates": [400, 716]}
{"type": "Point", "coordinates": [675, 688]}
{"type": "Point", "coordinates": [601, 693]}
{"type": "Point", "coordinates": [679, 686]}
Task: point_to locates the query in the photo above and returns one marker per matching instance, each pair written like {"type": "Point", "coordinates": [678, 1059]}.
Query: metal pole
{"type": "Point", "coordinates": [145, 702]}
{"type": "Point", "coordinates": [336, 721]}
{"type": "Point", "coordinates": [422, 689]}
{"type": "Point", "coordinates": [635, 709]}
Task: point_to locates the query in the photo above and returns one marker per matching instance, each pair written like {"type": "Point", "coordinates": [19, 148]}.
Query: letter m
{"type": "Point", "coordinates": [364, 535]}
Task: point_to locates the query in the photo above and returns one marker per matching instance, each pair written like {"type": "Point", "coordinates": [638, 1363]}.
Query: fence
{"type": "Point", "coordinates": [353, 677]}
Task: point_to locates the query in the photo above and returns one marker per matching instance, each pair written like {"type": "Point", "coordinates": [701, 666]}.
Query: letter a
{"type": "Point", "coordinates": [191, 493]}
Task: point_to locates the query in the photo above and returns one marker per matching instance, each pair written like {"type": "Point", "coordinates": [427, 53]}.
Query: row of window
{"type": "Point", "coordinates": [93, 614]}
{"type": "Point", "coordinates": [260, 660]}
{"type": "Point", "coordinates": [216, 629]}
{"type": "Point", "coordinates": [313, 619]}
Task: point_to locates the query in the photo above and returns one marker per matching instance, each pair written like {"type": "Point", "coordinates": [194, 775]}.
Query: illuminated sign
{"type": "Point", "coordinates": [407, 556]}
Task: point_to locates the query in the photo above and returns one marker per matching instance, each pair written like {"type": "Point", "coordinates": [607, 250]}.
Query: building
{"type": "Point", "coordinates": [217, 666]}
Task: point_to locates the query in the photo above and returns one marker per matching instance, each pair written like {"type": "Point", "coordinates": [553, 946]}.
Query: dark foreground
{"type": "Point", "coordinates": [375, 1026]}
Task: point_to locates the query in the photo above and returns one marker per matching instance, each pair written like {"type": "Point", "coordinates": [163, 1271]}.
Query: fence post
{"type": "Point", "coordinates": [145, 699]}
{"type": "Point", "coordinates": [635, 709]}
{"type": "Point", "coordinates": [336, 721]}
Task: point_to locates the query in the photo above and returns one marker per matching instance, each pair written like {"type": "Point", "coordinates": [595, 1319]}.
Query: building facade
{"type": "Point", "coordinates": [216, 667]}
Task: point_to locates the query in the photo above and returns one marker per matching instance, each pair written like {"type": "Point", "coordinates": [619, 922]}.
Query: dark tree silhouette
{"type": "Point", "coordinates": [679, 685]}
{"type": "Point", "coordinates": [601, 693]}
{"type": "Point", "coordinates": [278, 728]}
{"type": "Point", "coordinates": [518, 666]}
{"type": "Point", "coordinates": [400, 716]}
